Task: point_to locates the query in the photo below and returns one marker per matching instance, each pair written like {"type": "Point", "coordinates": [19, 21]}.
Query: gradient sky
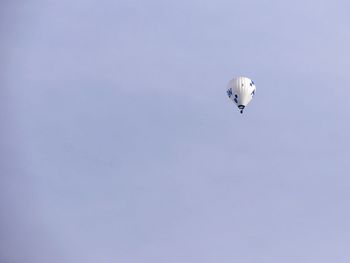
{"type": "Point", "coordinates": [118, 142]}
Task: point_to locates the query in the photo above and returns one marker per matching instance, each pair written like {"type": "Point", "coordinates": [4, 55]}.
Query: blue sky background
{"type": "Point", "coordinates": [119, 144]}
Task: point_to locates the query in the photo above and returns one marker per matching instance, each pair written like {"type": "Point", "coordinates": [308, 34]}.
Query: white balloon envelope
{"type": "Point", "coordinates": [241, 90]}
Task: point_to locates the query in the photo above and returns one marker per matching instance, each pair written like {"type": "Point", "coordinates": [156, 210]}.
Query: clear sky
{"type": "Point", "coordinates": [118, 142]}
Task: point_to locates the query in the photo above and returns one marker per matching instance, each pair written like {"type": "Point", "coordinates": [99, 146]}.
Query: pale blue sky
{"type": "Point", "coordinates": [119, 144]}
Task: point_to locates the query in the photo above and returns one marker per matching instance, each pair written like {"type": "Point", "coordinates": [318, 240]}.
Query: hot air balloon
{"type": "Point", "coordinates": [241, 90]}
